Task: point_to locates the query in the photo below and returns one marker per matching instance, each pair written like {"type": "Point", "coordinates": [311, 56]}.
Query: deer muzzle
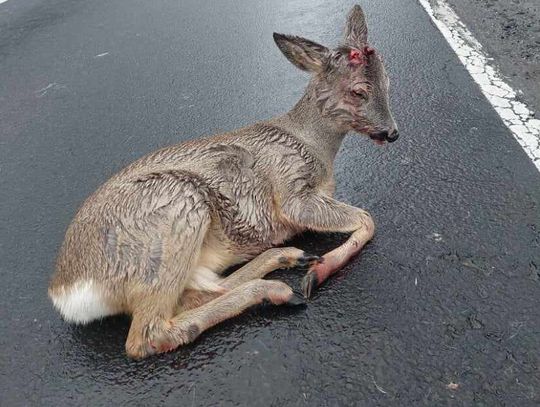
{"type": "Point", "coordinates": [385, 136]}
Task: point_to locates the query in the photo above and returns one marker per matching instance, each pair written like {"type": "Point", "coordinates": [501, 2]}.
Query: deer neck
{"type": "Point", "coordinates": [320, 134]}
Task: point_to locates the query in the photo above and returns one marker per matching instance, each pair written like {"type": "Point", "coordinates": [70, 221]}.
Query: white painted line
{"type": "Point", "coordinates": [2, 1]}
{"type": "Point", "coordinates": [515, 114]}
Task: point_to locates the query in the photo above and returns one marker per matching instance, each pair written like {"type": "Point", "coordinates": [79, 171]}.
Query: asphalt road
{"type": "Point", "coordinates": [442, 308]}
{"type": "Point", "coordinates": [509, 30]}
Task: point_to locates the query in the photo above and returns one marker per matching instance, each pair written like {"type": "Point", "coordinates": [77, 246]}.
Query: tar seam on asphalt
{"type": "Point", "coordinates": [515, 114]}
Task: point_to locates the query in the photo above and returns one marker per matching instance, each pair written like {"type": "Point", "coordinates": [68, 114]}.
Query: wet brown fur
{"type": "Point", "coordinates": [153, 237]}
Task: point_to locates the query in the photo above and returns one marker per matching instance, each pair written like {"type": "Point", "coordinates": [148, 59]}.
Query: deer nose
{"type": "Point", "coordinates": [393, 136]}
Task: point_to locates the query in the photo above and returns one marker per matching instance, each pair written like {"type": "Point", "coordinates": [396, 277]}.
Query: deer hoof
{"type": "Point", "coordinates": [309, 284]}
{"type": "Point", "coordinates": [296, 300]}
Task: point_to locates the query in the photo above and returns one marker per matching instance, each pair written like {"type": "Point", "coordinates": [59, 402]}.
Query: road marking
{"type": "Point", "coordinates": [2, 1]}
{"type": "Point", "coordinates": [515, 114]}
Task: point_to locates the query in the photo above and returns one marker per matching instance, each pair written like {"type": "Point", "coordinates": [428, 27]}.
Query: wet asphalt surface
{"type": "Point", "coordinates": [447, 293]}
{"type": "Point", "coordinates": [509, 31]}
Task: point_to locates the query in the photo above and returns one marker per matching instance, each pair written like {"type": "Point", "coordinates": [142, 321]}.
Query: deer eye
{"type": "Point", "coordinates": [361, 93]}
{"type": "Point", "coordinates": [361, 90]}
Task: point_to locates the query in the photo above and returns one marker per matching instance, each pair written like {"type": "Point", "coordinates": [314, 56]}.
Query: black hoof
{"type": "Point", "coordinates": [309, 284]}
{"type": "Point", "coordinates": [308, 260]}
{"type": "Point", "coordinates": [296, 300]}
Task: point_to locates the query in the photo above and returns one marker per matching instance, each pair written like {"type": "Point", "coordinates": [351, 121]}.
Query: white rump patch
{"type": "Point", "coordinates": [204, 279]}
{"type": "Point", "coordinates": [81, 303]}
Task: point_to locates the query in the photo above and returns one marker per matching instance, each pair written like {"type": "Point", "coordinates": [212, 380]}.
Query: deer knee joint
{"type": "Point", "coordinates": [368, 224]}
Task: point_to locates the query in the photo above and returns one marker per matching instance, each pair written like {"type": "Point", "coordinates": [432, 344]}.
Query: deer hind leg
{"type": "Point", "coordinates": [268, 261]}
{"type": "Point", "coordinates": [153, 298]}
{"type": "Point", "coordinates": [187, 326]}
{"type": "Point", "coordinates": [149, 317]}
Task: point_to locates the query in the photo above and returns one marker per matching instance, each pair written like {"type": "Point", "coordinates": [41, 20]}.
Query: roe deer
{"type": "Point", "coordinates": [154, 240]}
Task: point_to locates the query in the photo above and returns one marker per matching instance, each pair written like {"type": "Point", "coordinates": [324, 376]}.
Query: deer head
{"type": "Point", "coordinates": [349, 82]}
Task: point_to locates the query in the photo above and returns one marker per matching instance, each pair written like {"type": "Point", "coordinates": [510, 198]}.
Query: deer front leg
{"type": "Point", "coordinates": [322, 213]}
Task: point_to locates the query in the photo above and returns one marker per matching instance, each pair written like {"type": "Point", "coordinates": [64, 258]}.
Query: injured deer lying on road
{"type": "Point", "coordinates": [154, 240]}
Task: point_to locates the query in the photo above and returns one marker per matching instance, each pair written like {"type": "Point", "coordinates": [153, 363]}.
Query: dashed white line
{"type": "Point", "coordinates": [515, 114]}
{"type": "Point", "coordinates": [2, 1]}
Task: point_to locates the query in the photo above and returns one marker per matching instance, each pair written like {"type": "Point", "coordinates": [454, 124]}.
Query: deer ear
{"type": "Point", "coordinates": [304, 54]}
{"type": "Point", "coordinates": [356, 31]}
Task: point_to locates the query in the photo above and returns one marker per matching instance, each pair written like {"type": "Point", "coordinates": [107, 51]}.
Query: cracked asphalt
{"type": "Point", "coordinates": [509, 30]}
{"type": "Point", "coordinates": [508, 102]}
{"type": "Point", "coordinates": [441, 308]}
